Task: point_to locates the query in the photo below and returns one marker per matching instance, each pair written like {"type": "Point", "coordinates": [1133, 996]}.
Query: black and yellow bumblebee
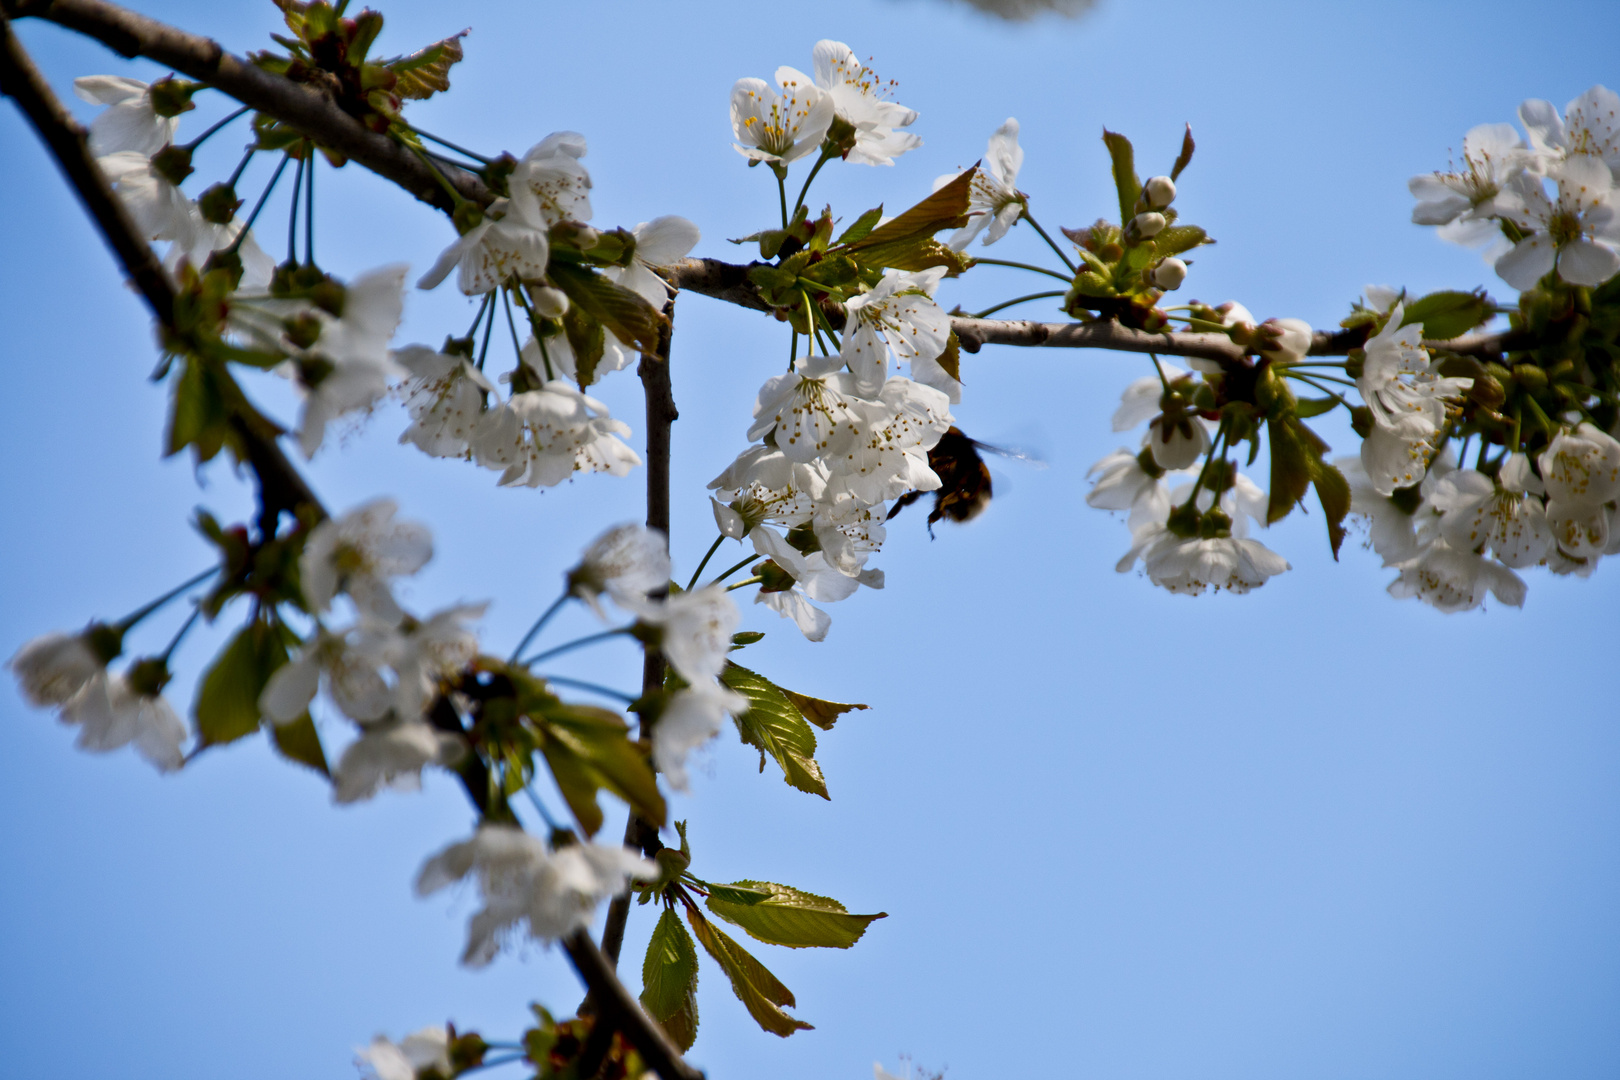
{"type": "Point", "coordinates": [965, 486]}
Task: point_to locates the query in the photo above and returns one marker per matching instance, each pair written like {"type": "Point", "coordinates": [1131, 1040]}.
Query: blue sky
{"type": "Point", "coordinates": [1313, 831]}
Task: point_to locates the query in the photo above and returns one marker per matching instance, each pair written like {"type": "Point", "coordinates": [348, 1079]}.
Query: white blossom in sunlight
{"type": "Point", "coordinates": [1284, 341]}
{"type": "Point", "coordinates": [360, 553]}
{"type": "Point", "coordinates": [808, 412]}
{"type": "Point", "coordinates": [53, 667]}
{"type": "Point", "coordinates": [349, 365]}
{"type": "Point", "coordinates": [129, 122]}
{"type": "Point", "coordinates": [428, 1048]}
{"type": "Point", "coordinates": [1476, 513]}
{"type": "Point", "coordinates": [994, 201]}
{"type": "Point", "coordinates": [206, 237]}
{"type": "Point", "coordinates": [628, 560]}
{"type": "Point", "coordinates": [887, 452]}
{"type": "Point", "coordinates": [1409, 403]}
{"type": "Point", "coordinates": [1581, 472]}
{"type": "Point", "coordinates": [779, 128]}
{"type": "Point", "coordinates": [696, 629]}
{"type": "Point", "coordinates": [445, 398]}
{"type": "Point", "coordinates": [392, 754]}
{"type": "Point", "coordinates": [550, 174]}
{"type": "Point", "coordinates": [1493, 154]}
{"type": "Point", "coordinates": [159, 210]}
{"type": "Point", "coordinates": [1193, 565]}
{"type": "Point", "coordinates": [693, 716]}
{"type": "Point", "coordinates": [510, 242]}
{"type": "Point", "coordinates": [430, 651]}
{"type": "Point", "coordinates": [1579, 233]}
{"type": "Point", "coordinates": [1124, 483]}
{"type": "Point", "coordinates": [661, 242]}
{"type": "Point", "coordinates": [858, 98]}
{"type": "Point", "coordinates": [1143, 398]}
{"type": "Point", "coordinates": [814, 578]}
{"type": "Point", "coordinates": [763, 484]}
{"type": "Point", "coordinates": [1454, 581]}
{"type": "Point", "coordinates": [1391, 531]}
{"type": "Point", "coordinates": [553, 358]}
{"type": "Point", "coordinates": [349, 662]}
{"type": "Point", "coordinates": [1590, 127]}
{"type": "Point", "coordinates": [1177, 440]}
{"type": "Point", "coordinates": [110, 713]}
{"type": "Point", "coordinates": [526, 889]}
{"type": "Point", "coordinates": [898, 314]}
{"type": "Point", "coordinates": [542, 437]}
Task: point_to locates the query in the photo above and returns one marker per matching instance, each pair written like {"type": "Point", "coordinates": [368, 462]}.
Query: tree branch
{"type": "Point", "coordinates": [304, 107]}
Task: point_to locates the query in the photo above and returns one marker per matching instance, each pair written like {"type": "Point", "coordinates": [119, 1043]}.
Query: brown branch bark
{"type": "Point", "coordinates": [304, 107]}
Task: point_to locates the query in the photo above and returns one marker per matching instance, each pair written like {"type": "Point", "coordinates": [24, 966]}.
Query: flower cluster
{"type": "Point", "coordinates": [1461, 533]}
{"type": "Point", "coordinates": [842, 110]}
{"type": "Point", "coordinates": [528, 889]}
{"type": "Point", "coordinates": [133, 141]}
{"type": "Point", "coordinates": [1194, 537]}
{"type": "Point", "coordinates": [383, 671]}
{"type": "Point", "coordinates": [1540, 205]}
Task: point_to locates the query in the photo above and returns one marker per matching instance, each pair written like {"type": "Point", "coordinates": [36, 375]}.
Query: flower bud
{"type": "Point", "coordinates": [1169, 274]}
{"type": "Point", "coordinates": [1160, 192]}
{"type": "Point", "coordinates": [548, 302]}
{"type": "Point", "coordinates": [1149, 224]}
{"type": "Point", "coordinates": [1284, 341]}
{"type": "Point", "coordinates": [173, 163]}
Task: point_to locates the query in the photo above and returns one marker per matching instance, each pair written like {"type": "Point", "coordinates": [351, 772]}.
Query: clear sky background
{"type": "Point", "coordinates": [1310, 832]}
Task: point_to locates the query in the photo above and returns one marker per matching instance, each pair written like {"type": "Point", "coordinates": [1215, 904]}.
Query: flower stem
{"type": "Point", "coordinates": [1024, 266]}
{"type": "Point", "coordinates": [1019, 300]}
{"type": "Point", "coordinates": [199, 140]}
{"type": "Point", "coordinates": [822, 160]}
{"type": "Point", "coordinates": [577, 643]}
{"type": "Point", "coordinates": [241, 166]}
{"type": "Point", "coordinates": [511, 325]}
{"type": "Point", "coordinates": [755, 580]}
{"type": "Point", "coordinates": [781, 191]}
{"type": "Point", "coordinates": [1027, 216]}
{"type": "Point", "coordinates": [309, 210]}
{"type": "Point", "coordinates": [545, 814]}
{"type": "Point", "coordinates": [271, 186]}
{"type": "Point", "coordinates": [142, 612]}
{"type": "Point", "coordinates": [489, 332]}
{"type": "Point", "coordinates": [1311, 382]}
{"type": "Point", "coordinates": [444, 182]}
{"type": "Point", "coordinates": [595, 688]}
{"type": "Point", "coordinates": [1209, 459]}
{"type": "Point", "coordinates": [539, 624]}
{"type": "Point", "coordinates": [714, 547]}
{"type": "Point", "coordinates": [180, 634]}
{"type": "Point", "coordinates": [736, 568]}
{"type": "Point", "coordinates": [292, 215]}
{"type": "Point", "coordinates": [452, 146]}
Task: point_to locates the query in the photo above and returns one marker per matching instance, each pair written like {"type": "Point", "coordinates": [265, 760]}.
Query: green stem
{"type": "Point", "coordinates": [198, 141]}
{"type": "Point", "coordinates": [793, 348]}
{"type": "Point", "coordinates": [1158, 367]}
{"type": "Point", "coordinates": [140, 613]}
{"type": "Point", "coordinates": [755, 580]}
{"type": "Point", "coordinates": [1546, 422]}
{"type": "Point", "coordinates": [577, 643]}
{"type": "Point", "coordinates": [489, 332]}
{"type": "Point", "coordinates": [292, 214]}
{"type": "Point", "coordinates": [545, 815]}
{"type": "Point", "coordinates": [1318, 375]}
{"type": "Point", "coordinates": [241, 166]}
{"type": "Point", "coordinates": [714, 547]}
{"type": "Point", "coordinates": [259, 205]}
{"type": "Point", "coordinates": [781, 190]}
{"type": "Point", "coordinates": [483, 306]}
{"type": "Point", "coordinates": [452, 146]}
{"type": "Point", "coordinates": [180, 634]}
{"type": "Point", "coordinates": [736, 568]}
{"type": "Point", "coordinates": [1309, 381]}
{"type": "Point", "coordinates": [309, 210]}
{"type": "Point", "coordinates": [1020, 300]}
{"type": "Point", "coordinates": [806, 189]}
{"type": "Point", "coordinates": [1209, 459]}
{"type": "Point", "coordinates": [421, 155]}
{"type": "Point", "coordinates": [1025, 266]}
{"type": "Point", "coordinates": [511, 325]}
{"type": "Point", "coordinates": [1049, 241]}
{"type": "Point", "coordinates": [539, 624]}
{"type": "Point", "coordinates": [595, 688]}
{"type": "Point", "coordinates": [1518, 427]}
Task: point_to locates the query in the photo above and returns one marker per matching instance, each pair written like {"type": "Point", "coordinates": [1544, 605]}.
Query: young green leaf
{"type": "Point", "coordinates": [760, 992]}
{"type": "Point", "coordinates": [1448, 314]}
{"type": "Point", "coordinates": [1184, 158]}
{"type": "Point", "coordinates": [907, 242]}
{"type": "Point", "coordinates": [819, 711]}
{"type": "Point", "coordinates": [227, 706]}
{"type": "Point", "coordinates": [588, 340]}
{"type": "Point", "coordinates": [791, 917]}
{"type": "Point", "coordinates": [669, 977]}
{"type": "Point", "coordinates": [1309, 407]}
{"type": "Point", "coordinates": [775, 726]}
{"type": "Point", "coordinates": [1126, 182]}
{"type": "Point", "coordinates": [300, 742]}
{"type": "Point", "coordinates": [427, 71]}
{"type": "Point", "coordinates": [589, 749]}
{"type": "Point", "coordinates": [632, 319]}
{"type": "Point", "coordinates": [861, 226]}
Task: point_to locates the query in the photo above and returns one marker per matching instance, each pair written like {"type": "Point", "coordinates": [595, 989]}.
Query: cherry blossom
{"type": "Point", "coordinates": [779, 128]}
{"type": "Point", "coordinates": [695, 629]}
{"type": "Point", "coordinates": [359, 553]}
{"type": "Point", "coordinates": [129, 122]}
{"type": "Point", "coordinates": [857, 97]}
{"type": "Point", "coordinates": [693, 716]}
{"type": "Point", "coordinates": [1579, 233]}
{"type": "Point", "coordinates": [110, 712]}
{"type": "Point", "coordinates": [542, 437]}
{"type": "Point", "coordinates": [898, 314]}
{"type": "Point", "coordinates": [994, 201]}
{"type": "Point", "coordinates": [419, 1052]}
{"type": "Point", "coordinates": [628, 560]}
{"type": "Point", "coordinates": [392, 754]}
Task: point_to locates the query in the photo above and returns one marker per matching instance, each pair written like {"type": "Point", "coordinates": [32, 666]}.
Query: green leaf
{"type": "Point", "coordinates": [1306, 408]}
{"type": "Point", "coordinates": [819, 711]}
{"type": "Point", "coordinates": [775, 726]}
{"type": "Point", "coordinates": [198, 415]}
{"type": "Point", "coordinates": [426, 72]}
{"type": "Point", "coordinates": [1448, 313]}
{"type": "Point", "coordinates": [760, 992]}
{"type": "Point", "coordinates": [669, 978]}
{"type": "Point", "coordinates": [792, 917]}
{"type": "Point", "coordinates": [1179, 238]}
{"type": "Point", "coordinates": [589, 749]}
{"type": "Point", "coordinates": [907, 242]}
{"type": "Point", "coordinates": [588, 340]}
{"type": "Point", "coordinates": [862, 226]}
{"type": "Point", "coordinates": [1184, 158]}
{"type": "Point", "coordinates": [227, 705]}
{"type": "Point", "coordinates": [745, 637]}
{"type": "Point", "coordinates": [742, 893]}
{"type": "Point", "coordinates": [1125, 179]}
{"type": "Point", "coordinates": [951, 358]}
{"type": "Point", "coordinates": [300, 742]}
{"type": "Point", "coordinates": [633, 320]}
{"type": "Point", "coordinates": [1290, 467]}
{"type": "Point", "coordinates": [1333, 492]}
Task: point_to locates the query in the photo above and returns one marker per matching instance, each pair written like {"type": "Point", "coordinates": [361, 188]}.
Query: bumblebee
{"type": "Point", "coordinates": [964, 480]}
